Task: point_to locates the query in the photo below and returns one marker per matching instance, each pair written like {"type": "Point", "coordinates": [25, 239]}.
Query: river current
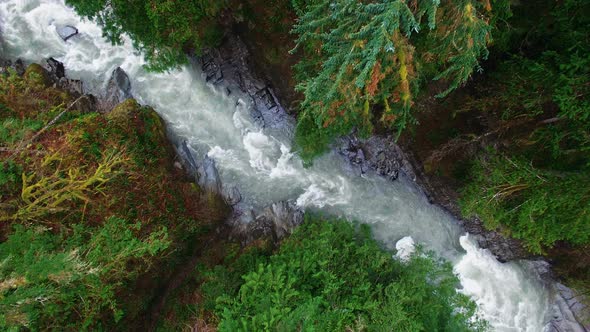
{"type": "Point", "coordinates": [259, 161]}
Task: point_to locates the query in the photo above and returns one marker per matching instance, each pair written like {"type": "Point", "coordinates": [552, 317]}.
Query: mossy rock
{"type": "Point", "coordinates": [153, 119]}
{"type": "Point", "coordinates": [130, 114]}
{"type": "Point", "coordinates": [37, 74]}
{"type": "Point", "coordinates": [124, 112]}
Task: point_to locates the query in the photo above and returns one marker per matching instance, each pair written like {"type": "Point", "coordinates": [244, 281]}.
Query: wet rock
{"type": "Point", "coordinates": [57, 75]}
{"type": "Point", "coordinates": [568, 311]}
{"type": "Point", "coordinates": [75, 87]}
{"type": "Point", "coordinates": [266, 97]}
{"type": "Point", "coordinates": [187, 159]}
{"type": "Point", "coordinates": [230, 67]}
{"type": "Point", "coordinates": [243, 215]}
{"type": "Point", "coordinates": [381, 155]}
{"type": "Point", "coordinates": [505, 249]}
{"type": "Point", "coordinates": [282, 217]}
{"type": "Point", "coordinates": [120, 80]}
{"type": "Point", "coordinates": [274, 222]}
{"type": "Point", "coordinates": [231, 195]}
{"type": "Point", "coordinates": [211, 69]}
{"type": "Point", "coordinates": [66, 31]}
{"type": "Point", "coordinates": [208, 176]}
{"type": "Point", "coordinates": [118, 90]}
{"type": "Point", "coordinates": [56, 69]}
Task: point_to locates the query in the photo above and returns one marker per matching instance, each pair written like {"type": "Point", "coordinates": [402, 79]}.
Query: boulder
{"type": "Point", "coordinates": [87, 104]}
{"type": "Point", "coordinates": [66, 31]}
{"type": "Point", "coordinates": [282, 217]}
{"type": "Point", "coordinates": [231, 195]}
{"type": "Point", "coordinates": [57, 76]}
{"type": "Point", "coordinates": [187, 159]}
{"type": "Point", "coordinates": [19, 67]}
{"type": "Point", "coordinates": [118, 90]}
{"type": "Point", "coordinates": [379, 154]}
{"type": "Point", "coordinates": [75, 87]}
{"type": "Point", "coordinates": [56, 69]}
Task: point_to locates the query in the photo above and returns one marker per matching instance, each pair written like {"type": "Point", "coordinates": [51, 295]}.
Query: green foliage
{"type": "Point", "coordinates": [162, 29]}
{"type": "Point", "coordinates": [537, 188]}
{"type": "Point", "coordinates": [66, 264]}
{"type": "Point", "coordinates": [10, 178]}
{"type": "Point", "coordinates": [539, 206]}
{"type": "Point", "coordinates": [43, 195]}
{"type": "Point", "coordinates": [68, 281]}
{"type": "Point", "coordinates": [331, 276]}
{"type": "Point", "coordinates": [366, 59]}
{"type": "Point", "coordinates": [13, 130]}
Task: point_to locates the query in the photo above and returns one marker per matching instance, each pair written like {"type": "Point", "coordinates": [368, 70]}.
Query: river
{"type": "Point", "coordinates": [260, 164]}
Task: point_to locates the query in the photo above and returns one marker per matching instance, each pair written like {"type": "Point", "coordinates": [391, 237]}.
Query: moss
{"type": "Point", "coordinates": [154, 123]}
{"type": "Point", "coordinates": [131, 113]}
{"type": "Point", "coordinates": [35, 73]}
{"type": "Point", "coordinates": [124, 112]}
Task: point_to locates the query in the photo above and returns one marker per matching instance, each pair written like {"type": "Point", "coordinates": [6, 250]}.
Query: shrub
{"type": "Point", "coordinates": [332, 276]}
{"type": "Point", "coordinates": [538, 206]}
{"type": "Point", "coordinates": [67, 282]}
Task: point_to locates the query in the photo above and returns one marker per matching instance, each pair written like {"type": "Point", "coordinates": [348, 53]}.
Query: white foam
{"type": "Point", "coordinates": [405, 248]}
{"type": "Point", "coordinates": [260, 149]}
{"type": "Point", "coordinates": [504, 295]}
{"type": "Point", "coordinates": [284, 167]}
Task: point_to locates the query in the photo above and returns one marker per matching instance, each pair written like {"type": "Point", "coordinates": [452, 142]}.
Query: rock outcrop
{"type": "Point", "coordinates": [569, 312]}
{"type": "Point", "coordinates": [209, 176]}
{"type": "Point", "coordinates": [118, 90]}
{"type": "Point", "coordinates": [57, 74]}
{"type": "Point", "coordinates": [377, 154]}
{"type": "Point", "coordinates": [383, 156]}
{"type": "Point", "coordinates": [66, 31]}
{"type": "Point", "coordinates": [275, 221]}
{"type": "Point", "coordinates": [229, 66]}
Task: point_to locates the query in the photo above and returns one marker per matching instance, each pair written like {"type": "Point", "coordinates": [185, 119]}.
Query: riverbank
{"type": "Point", "coordinates": [95, 213]}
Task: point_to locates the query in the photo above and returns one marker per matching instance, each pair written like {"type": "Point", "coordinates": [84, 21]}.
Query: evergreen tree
{"type": "Point", "coordinates": [372, 55]}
